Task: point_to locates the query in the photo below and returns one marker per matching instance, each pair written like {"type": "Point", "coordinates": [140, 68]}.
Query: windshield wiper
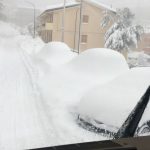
{"type": "Point", "coordinates": [130, 125]}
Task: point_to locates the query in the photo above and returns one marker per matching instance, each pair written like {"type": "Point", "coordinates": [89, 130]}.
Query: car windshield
{"type": "Point", "coordinates": [73, 71]}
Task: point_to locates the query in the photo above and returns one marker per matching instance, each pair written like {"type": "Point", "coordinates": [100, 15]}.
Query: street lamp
{"type": "Point", "coordinates": [34, 22]}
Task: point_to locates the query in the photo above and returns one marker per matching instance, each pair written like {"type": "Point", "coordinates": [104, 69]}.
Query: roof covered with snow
{"type": "Point", "coordinates": [60, 6]}
{"type": "Point", "coordinates": [75, 3]}
{"type": "Point", "coordinates": [100, 5]}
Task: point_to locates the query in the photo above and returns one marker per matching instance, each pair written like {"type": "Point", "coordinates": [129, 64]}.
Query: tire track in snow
{"type": "Point", "coordinates": [42, 109]}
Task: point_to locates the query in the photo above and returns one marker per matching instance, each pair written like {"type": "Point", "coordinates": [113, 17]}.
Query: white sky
{"type": "Point", "coordinates": [38, 3]}
{"type": "Point", "coordinates": [141, 8]}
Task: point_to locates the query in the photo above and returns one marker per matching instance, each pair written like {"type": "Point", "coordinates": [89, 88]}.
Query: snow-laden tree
{"type": "Point", "coordinates": [138, 59]}
{"type": "Point", "coordinates": [1, 4]}
{"type": "Point", "coordinates": [2, 16]}
{"type": "Point", "coordinates": [122, 35]}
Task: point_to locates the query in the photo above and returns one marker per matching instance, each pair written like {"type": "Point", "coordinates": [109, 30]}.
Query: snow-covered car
{"type": "Point", "coordinates": [106, 107]}
{"type": "Point", "coordinates": [63, 87]}
{"type": "Point", "coordinates": [138, 59]}
{"type": "Point", "coordinates": [94, 66]}
{"type": "Point", "coordinates": [144, 129]}
{"type": "Point", "coordinates": [56, 54]}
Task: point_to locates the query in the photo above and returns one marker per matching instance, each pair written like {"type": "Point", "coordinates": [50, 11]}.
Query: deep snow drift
{"type": "Point", "coordinates": [55, 54]}
{"type": "Point", "coordinates": [30, 45]}
{"type": "Point", "coordinates": [26, 120]}
{"type": "Point", "coordinates": [39, 111]}
{"type": "Point", "coordinates": [62, 88]}
{"type": "Point", "coordinates": [139, 59]}
{"type": "Point", "coordinates": [7, 31]}
{"type": "Point", "coordinates": [70, 81]}
{"type": "Point", "coordinates": [112, 103]}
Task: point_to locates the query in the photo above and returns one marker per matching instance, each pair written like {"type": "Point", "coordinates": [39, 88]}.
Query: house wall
{"type": "Point", "coordinates": [144, 44]}
{"type": "Point", "coordinates": [93, 30]}
{"type": "Point", "coordinates": [56, 27]}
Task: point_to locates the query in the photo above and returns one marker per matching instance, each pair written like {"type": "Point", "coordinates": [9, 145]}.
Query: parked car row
{"type": "Point", "coordinates": [98, 87]}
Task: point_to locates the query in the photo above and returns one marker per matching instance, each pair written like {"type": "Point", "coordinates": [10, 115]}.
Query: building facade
{"type": "Point", "coordinates": [92, 34]}
{"type": "Point", "coordinates": [144, 44]}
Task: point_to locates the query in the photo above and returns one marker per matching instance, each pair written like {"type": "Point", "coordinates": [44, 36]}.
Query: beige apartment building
{"type": "Point", "coordinates": [92, 34]}
{"type": "Point", "coordinates": [144, 44]}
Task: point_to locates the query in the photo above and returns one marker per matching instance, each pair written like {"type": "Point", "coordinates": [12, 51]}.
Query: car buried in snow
{"type": "Point", "coordinates": [104, 109]}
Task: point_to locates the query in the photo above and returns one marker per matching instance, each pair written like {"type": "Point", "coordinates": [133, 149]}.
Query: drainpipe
{"type": "Point", "coordinates": [80, 25]}
{"type": "Point", "coordinates": [75, 31]}
{"type": "Point", "coordinates": [63, 22]}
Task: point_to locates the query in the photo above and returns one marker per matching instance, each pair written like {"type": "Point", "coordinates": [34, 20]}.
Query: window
{"type": "Point", "coordinates": [43, 24]}
{"type": "Point", "coordinates": [84, 38]}
{"type": "Point", "coordinates": [85, 19]}
{"type": "Point", "coordinates": [50, 18]}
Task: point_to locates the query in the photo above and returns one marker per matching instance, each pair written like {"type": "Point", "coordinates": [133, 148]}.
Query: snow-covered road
{"type": "Point", "coordinates": [22, 111]}
{"type": "Point", "coordinates": [27, 120]}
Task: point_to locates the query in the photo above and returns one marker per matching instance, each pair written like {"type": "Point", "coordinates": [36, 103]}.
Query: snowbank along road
{"type": "Point", "coordinates": [39, 111]}
{"type": "Point", "coordinates": [26, 121]}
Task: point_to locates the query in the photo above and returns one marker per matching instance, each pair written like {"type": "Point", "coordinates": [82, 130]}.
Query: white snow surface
{"type": "Point", "coordinates": [7, 31]}
{"type": "Point", "coordinates": [138, 59]}
{"type": "Point", "coordinates": [27, 119]}
{"type": "Point", "coordinates": [92, 67]}
{"type": "Point", "coordinates": [63, 87]}
{"type": "Point", "coordinates": [55, 54]}
{"type": "Point", "coordinates": [30, 45]}
{"type": "Point", "coordinates": [112, 103]}
{"type": "Point", "coordinates": [40, 111]}
{"type": "Point", "coordinates": [100, 4]}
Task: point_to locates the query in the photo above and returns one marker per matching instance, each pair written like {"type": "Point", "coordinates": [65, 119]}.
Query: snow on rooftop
{"type": "Point", "coordinates": [60, 5]}
{"type": "Point", "coordinates": [99, 4]}
{"type": "Point", "coordinates": [74, 3]}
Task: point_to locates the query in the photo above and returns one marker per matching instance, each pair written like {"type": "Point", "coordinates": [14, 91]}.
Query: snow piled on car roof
{"type": "Point", "coordinates": [95, 66]}
{"type": "Point", "coordinates": [63, 87]}
{"type": "Point", "coordinates": [55, 53]}
{"type": "Point", "coordinates": [112, 103]}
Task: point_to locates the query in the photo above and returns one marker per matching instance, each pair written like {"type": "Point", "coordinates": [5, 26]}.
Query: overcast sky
{"type": "Point", "coordinates": [141, 8]}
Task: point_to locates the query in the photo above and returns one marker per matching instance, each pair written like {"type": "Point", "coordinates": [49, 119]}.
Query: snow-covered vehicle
{"type": "Point", "coordinates": [55, 54]}
{"type": "Point", "coordinates": [95, 66]}
{"type": "Point", "coordinates": [107, 106]}
{"type": "Point", "coordinates": [138, 59]}
{"type": "Point", "coordinates": [63, 87]}
{"type": "Point", "coordinates": [144, 129]}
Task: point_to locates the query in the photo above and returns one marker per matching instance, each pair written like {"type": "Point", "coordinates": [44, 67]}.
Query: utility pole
{"type": "Point", "coordinates": [80, 25]}
{"type": "Point", "coordinates": [130, 125]}
{"type": "Point", "coordinates": [34, 17]}
{"type": "Point", "coordinates": [63, 22]}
